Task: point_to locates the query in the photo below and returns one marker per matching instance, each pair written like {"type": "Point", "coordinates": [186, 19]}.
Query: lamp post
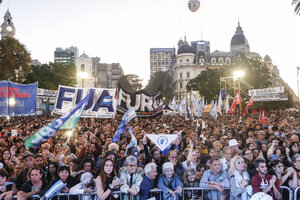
{"type": "Point", "coordinates": [238, 76]}
{"type": "Point", "coordinates": [298, 68]}
{"type": "Point", "coordinates": [11, 103]}
{"type": "Point", "coordinates": [82, 76]}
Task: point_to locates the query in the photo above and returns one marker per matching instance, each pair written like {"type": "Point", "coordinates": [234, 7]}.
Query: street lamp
{"type": "Point", "coordinates": [82, 76]}
{"type": "Point", "coordinates": [238, 75]}
{"type": "Point", "coordinates": [11, 103]}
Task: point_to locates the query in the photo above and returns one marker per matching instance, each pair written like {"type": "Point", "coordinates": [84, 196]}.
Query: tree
{"type": "Point", "coordinates": [160, 80]}
{"type": "Point", "coordinates": [297, 6]}
{"type": "Point", "coordinates": [14, 60]}
{"type": "Point", "coordinates": [207, 83]}
{"type": "Point", "coordinates": [130, 82]}
{"type": "Point", "coordinates": [52, 75]}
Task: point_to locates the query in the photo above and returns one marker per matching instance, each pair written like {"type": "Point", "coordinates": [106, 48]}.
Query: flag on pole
{"type": "Point", "coordinates": [201, 107]}
{"type": "Point", "coordinates": [236, 101]}
{"type": "Point", "coordinates": [129, 115]}
{"type": "Point", "coordinates": [162, 141]}
{"type": "Point", "coordinates": [173, 104]}
{"type": "Point", "coordinates": [227, 104]}
{"type": "Point", "coordinates": [250, 103]}
{"type": "Point", "coordinates": [49, 130]}
{"type": "Point", "coordinates": [220, 102]}
{"type": "Point", "coordinates": [203, 124]}
{"type": "Point", "coordinates": [263, 118]}
{"type": "Point", "coordinates": [133, 142]}
{"type": "Point", "coordinates": [216, 110]}
{"type": "Point", "coordinates": [212, 109]}
{"type": "Point", "coordinates": [260, 117]}
{"type": "Point", "coordinates": [54, 189]}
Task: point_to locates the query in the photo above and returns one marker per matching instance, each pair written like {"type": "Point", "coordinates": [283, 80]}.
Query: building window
{"type": "Point", "coordinates": [227, 60]}
{"type": "Point", "coordinates": [180, 62]}
{"type": "Point", "coordinates": [82, 68]}
{"type": "Point", "coordinates": [188, 74]}
{"type": "Point", "coordinates": [213, 60]}
{"type": "Point", "coordinates": [187, 61]}
{"type": "Point", "coordinates": [220, 61]}
{"type": "Point", "coordinates": [180, 75]}
{"type": "Point", "coordinates": [180, 85]}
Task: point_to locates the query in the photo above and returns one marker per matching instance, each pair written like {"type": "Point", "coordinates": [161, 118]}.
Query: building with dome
{"type": "Point", "coordinates": [192, 59]}
{"type": "Point", "coordinates": [7, 28]}
{"type": "Point", "coordinates": [85, 72]}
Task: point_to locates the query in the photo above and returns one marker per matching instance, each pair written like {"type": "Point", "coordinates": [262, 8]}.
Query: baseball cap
{"type": "Point", "coordinates": [233, 142]}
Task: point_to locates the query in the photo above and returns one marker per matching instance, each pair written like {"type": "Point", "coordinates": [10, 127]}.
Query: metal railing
{"type": "Point", "coordinates": [187, 193]}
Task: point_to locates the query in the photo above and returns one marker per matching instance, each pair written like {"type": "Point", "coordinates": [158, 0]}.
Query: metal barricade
{"type": "Point", "coordinates": [287, 189]}
{"type": "Point", "coordinates": [296, 193]}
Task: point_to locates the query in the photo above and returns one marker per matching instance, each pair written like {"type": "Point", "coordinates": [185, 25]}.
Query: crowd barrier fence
{"type": "Point", "coordinates": [187, 193]}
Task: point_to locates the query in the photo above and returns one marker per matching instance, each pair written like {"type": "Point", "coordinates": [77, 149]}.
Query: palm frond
{"type": "Point", "coordinates": [297, 6]}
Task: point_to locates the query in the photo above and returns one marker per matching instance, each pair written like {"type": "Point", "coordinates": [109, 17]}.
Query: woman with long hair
{"type": "Point", "coordinates": [239, 179]}
{"type": "Point", "coordinates": [107, 180]}
{"type": "Point", "coordinates": [6, 160]}
{"type": "Point", "coordinates": [52, 173]}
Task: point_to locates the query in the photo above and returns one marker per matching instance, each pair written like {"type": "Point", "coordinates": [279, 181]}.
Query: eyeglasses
{"type": "Point", "coordinates": [132, 166]}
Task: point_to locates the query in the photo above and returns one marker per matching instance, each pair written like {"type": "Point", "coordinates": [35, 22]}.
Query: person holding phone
{"type": "Point", "coordinates": [107, 180]}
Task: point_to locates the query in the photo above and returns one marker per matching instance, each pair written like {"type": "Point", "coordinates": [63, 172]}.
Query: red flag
{"type": "Point", "coordinates": [237, 100]}
{"type": "Point", "coordinates": [263, 118]}
{"type": "Point", "coordinates": [259, 118]}
{"type": "Point", "coordinates": [254, 111]}
{"type": "Point", "coordinates": [250, 103]}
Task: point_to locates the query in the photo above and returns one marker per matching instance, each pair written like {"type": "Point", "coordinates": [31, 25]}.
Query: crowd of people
{"type": "Point", "coordinates": [231, 157]}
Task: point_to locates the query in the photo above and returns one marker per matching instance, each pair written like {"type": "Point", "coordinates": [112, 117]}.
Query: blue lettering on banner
{"type": "Point", "coordinates": [61, 96]}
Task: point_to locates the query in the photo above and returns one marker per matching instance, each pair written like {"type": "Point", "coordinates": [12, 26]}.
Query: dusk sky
{"type": "Point", "coordinates": [123, 31]}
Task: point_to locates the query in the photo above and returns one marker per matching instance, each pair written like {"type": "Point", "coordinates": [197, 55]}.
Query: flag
{"type": "Point", "coordinates": [236, 101]}
{"type": "Point", "coordinates": [49, 130]}
{"type": "Point", "coordinates": [260, 117]}
{"type": "Point", "coordinates": [162, 141]}
{"type": "Point", "coordinates": [263, 118]}
{"type": "Point", "coordinates": [250, 103]}
{"type": "Point", "coordinates": [220, 102]}
{"type": "Point", "coordinates": [227, 105]}
{"type": "Point", "coordinates": [222, 92]}
{"type": "Point", "coordinates": [129, 115]}
{"type": "Point", "coordinates": [173, 104]}
{"type": "Point", "coordinates": [212, 109]}
{"type": "Point", "coordinates": [188, 108]}
{"type": "Point", "coordinates": [54, 189]}
{"type": "Point", "coordinates": [201, 107]}
{"type": "Point", "coordinates": [133, 142]}
{"type": "Point", "coordinates": [182, 107]}
{"type": "Point", "coordinates": [254, 111]}
{"type": "Point", "coordinates": [203, 124]}
{"type": "Point", "coordinates": [216, 110]}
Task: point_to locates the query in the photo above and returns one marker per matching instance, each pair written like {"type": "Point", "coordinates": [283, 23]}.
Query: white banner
{"type": "Point", "coordinates": [271, 97]}
{"type": "Point", "coordinates": [102, 104]}
{"type": "Point", "coordinates": [162, 141]}
{"type": "Point", "coordinates": [265, 91]}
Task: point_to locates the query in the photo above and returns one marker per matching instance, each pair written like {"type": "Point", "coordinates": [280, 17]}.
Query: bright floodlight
{"type": "Point", "coordinates": [11, 102]}
{"type": "Point", "coordinates": [8, 117]}
{"type": "Point", "coordinates": [82, 75]}
{"type": "Point", "coordinates": [239, 74]}
{"type": "Point", "coordinates": [69, 133]}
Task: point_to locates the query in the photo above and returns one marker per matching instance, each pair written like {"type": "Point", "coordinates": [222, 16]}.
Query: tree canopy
{"type": "Point", "coordinates": [52, 75]}
{"type": "Point", "coordinates": [160, 80]}
{"type": "Point", "coordinates": [14, 60]}
{"type": "Point", "coordinates": [131, 82]}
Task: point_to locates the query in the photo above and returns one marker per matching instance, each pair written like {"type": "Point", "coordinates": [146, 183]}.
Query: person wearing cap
{"type": "Point", "coordinates": [264, 182]}
{"type": "Point", "coordinates": [234, 145]}
{"type": "Point", "coordinates": [28, 158]}
{"type": "Point", "coordinates": [131, 177]}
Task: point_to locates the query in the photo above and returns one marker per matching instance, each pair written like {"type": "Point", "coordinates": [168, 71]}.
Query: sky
{"type": "Point", "coordinates": [123, 31]}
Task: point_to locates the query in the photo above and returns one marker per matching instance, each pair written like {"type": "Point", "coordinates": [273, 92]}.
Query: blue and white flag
{"type": "Point", "coordinates": [227, 104]}
{"type": "Point", "coordinates": [216, 110]}
{"type": "Point", "coordinates": [162, 141]}
{"type": "Point", "coordinates": [201, 107]}
{"type": "Point", "coordinates": [212, 109]}
{"type": "Point", "coordinates": [133, 142]}
{"type": "Point", "coordinates": [54, 189]}
{"type": "Point", "coordinates": [173, 104]}
{"type": "Point", "coordinates": [129, 115]}
{"type": "Point", "coordinates": [49, 130]}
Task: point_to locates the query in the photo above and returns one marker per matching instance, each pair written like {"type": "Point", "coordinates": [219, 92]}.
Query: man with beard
{"type": "Point", "coordinates": [264, 182]}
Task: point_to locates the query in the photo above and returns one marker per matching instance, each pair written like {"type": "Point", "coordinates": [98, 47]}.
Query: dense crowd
{"type": "Point", "coordinates": [235, 156]}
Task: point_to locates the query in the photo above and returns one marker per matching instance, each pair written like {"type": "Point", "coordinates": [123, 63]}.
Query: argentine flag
{"type": "Point", "coordinates": [54, 189]}
{"type": "Point", "coordinates": [49, 130]}
{"type": "Point", "coordinates": [129, 115]}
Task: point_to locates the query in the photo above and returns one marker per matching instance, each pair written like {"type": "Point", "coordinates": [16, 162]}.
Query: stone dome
{"type": "Point", "coordinates": [239, 37]}
{"type": "Point", "coordinates": [84, 56]}
{"type": "Point", "coordinates": [185, 48]}
{"type": "Point", "coordinates": [267, 58]}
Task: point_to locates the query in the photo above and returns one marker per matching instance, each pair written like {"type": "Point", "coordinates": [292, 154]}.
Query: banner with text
{"type": "Point", "coordinates": [271, 97]}
{"type": "Point", "coordinates": [145, 105]}
{"type": "Point", "coordinates": [102, 103]}
{"type": "Point", "coordinates": [17, 99]}
{"type": "Point", "coordinates": [264, 91]}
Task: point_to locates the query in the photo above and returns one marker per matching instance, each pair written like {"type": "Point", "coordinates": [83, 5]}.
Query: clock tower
{"type": "Point", "coordinates": [7, 28]}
